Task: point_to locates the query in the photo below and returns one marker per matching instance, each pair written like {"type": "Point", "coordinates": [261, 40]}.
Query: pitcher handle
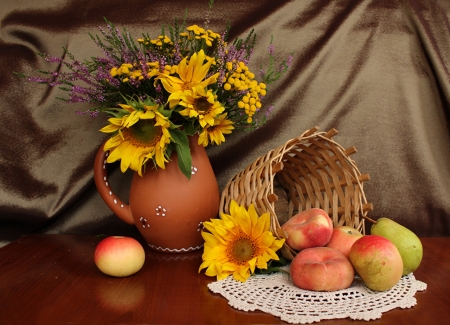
{"type": "Point", "coordinates": [120, 208]}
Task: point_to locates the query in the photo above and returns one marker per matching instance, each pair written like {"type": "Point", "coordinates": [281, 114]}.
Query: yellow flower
{"type": "Point", "coordinates": [201, 104]}
{"type": "Point", "coordinates": [240, 78]}
{"type": "Point", "coordinates": [213, 34]}
{"type": "Point", "coordinates": [215, 133]}
{"type": "Point", "coordinates": [190, 75]}
{"type": "Point", "coordinates": [141, 135]}
{"type": "Point", "coordinates": [238, 243]}
{"type": "Point", "coordinates": [196, 29]}
{"type": "Point", "coordinates": [162, 39]}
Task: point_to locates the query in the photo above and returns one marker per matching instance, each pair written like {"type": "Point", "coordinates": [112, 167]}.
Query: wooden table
{"type": "Point", "coordinates": [52, 279]}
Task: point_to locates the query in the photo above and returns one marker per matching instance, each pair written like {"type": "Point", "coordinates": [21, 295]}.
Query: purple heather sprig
{"type": "Point", "coordinates": [269, 110]}
{"type": "Point", "coordinates": [271, 74]}
{"type": "Point", "coordinates": [91, 113]}
{"type": "Point", "coordinates": [121, 42]}
{"type": "Point", "coordinates": [289, 61]}
{"type": "Point", "coordinates": [177, 56]}
{"type": "Point", "coordinates": [208, 13]}
{"type": "Point", "coordinates": [240, 55]}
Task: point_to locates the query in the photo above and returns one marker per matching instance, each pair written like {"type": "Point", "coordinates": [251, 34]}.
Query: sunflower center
{"type": "Point", "coordinates": [242, 250]}
{"type": "Point", "coordinates": [202, 105]}
{"type": "Point", "coordinates": [143, 133]}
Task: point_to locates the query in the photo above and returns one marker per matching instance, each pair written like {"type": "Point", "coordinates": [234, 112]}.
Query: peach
{"type": "Point", "coordinates": [309, 228]}
{"type": "Point", "coordinates": [119, 256]}
{"type": "Point", "coordinates": [321, 269]}
{"type": "Point", "coordinates": [377, 261]}
{"type": "Point", "coordinates": [343, 238]}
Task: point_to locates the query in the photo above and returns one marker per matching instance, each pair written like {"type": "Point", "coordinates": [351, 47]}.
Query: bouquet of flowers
{"type": "Point", "coordinates": [157, 91]}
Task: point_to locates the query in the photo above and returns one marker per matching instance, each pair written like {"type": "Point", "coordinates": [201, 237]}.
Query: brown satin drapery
{"type": "Point", "coordinates": [376, 70]}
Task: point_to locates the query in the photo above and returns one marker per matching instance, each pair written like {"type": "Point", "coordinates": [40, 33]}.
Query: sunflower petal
{"type": "Point", "coordinates": [112, 142]}
{"type": "Point", "coordinates": [266, 239]}
{"type": "Point", "coordinates": [244, 221]}
{"type": "Point", "coordinates": [110, 128]}
{"type": "Point", "coordinates": [126, 159]}
{"type": "Point", "coordinates": [209, 239]}
{"type": "Point", "coordinates": [258, 229]}
{"type": "Point", "coordinates": [269, 254]}
{"type": "Point", "coordinates": [261, 263]}
{"type": "Point", "coordinates": [205, 264]}
{"type": "Point", "coordinates": [223, 275]}
{"type": "Point", "coordinates": [252, 264]}
{"type": "Point", "coordinates": [244, 273]}
{"type": "Point", "coordinates": [232, 267]}
{"type": "Point", "coordinates": [253, 215]}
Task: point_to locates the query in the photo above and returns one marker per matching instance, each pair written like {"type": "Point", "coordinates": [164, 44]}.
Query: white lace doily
{"type": "Point", "coordinates": [277, 295]}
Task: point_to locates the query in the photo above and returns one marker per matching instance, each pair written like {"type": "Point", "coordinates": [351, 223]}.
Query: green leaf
{"type": "Point", "coordinates": [190, 129]}
{"type": "Point", "coordinates": [116, 112]}
{"type": "Point", "coordinates": [183, 151]}
{"type": "Point", "coordinates": [20, 74]}
{"type": "Point", "coordinates": [165, 112]}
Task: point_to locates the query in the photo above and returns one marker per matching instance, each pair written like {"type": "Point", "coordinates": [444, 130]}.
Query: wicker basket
{"type": "Point", "coordinates": [309, 171]}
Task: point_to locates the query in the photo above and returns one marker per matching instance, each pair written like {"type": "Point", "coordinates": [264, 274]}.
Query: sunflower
{"type": "Point", "coordinates": [141, 135]}
{"type": "Point", "coordinates": [215, 133]}
{"type": "Point", "coordinates": [189, 75]}
{"type": "Point", "coordinates": [201, 104]}
{"type": "Point", "coordinates": [238, 243]}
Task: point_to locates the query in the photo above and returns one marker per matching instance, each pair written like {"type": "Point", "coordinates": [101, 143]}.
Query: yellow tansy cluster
{"type": "Point", "coordinates": [241, 79]}
{"type": "Point", "coordinates": [128, 70]}
{"type": "Point", "coordinates": [196, 32]}
{"type": "Point", "coordinates": [162, 39]}
{"type": "Point", "coordinates": [159, 41]}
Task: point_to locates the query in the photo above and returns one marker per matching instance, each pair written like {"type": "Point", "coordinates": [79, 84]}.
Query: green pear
{"type": "Point", "coordinates": [406, 241]}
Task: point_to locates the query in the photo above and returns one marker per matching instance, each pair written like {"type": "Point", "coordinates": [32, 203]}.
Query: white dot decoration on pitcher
{"type": "Point", "coordinates": [144, 222]}
{"type": "Point", "coordinates": [160, 211]}
{"type": "Point", "coordinates": [193, 170]}
{"type": "Point", "coordinates": [105, 179]}
{"type": "Point", "coordinates": [200, 226]}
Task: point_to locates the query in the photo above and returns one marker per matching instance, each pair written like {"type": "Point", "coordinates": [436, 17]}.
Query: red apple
{"type": "Point", "coordinates": [377, 261]}
{"type": "Point", "coordinates": [321, 269]}
{"type": "Point", "coordinates": [343, 238]}
{"type": "Point", "coordinates": [309, 228]}
{"type": "Point", "coordinates": [119, 256]}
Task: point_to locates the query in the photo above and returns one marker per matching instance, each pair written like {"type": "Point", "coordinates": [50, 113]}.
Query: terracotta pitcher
{"type": "Point", "coordinates": [166, 207]}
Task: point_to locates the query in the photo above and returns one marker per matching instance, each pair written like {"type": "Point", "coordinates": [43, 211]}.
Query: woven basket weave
{"type": "Point", "coordinates": [310, 171]}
